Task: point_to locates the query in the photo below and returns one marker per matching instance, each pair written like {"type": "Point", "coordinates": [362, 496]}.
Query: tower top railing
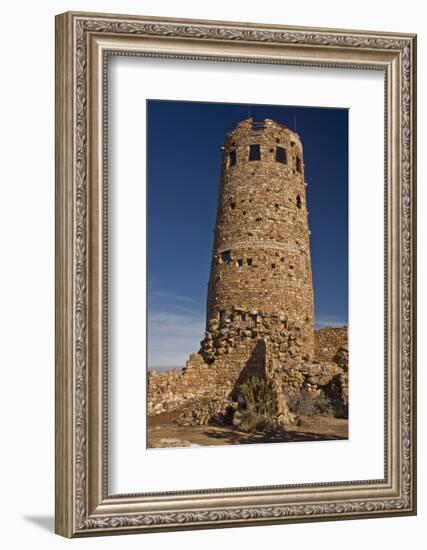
{"type": "Point", "coordinates": [258, 126]}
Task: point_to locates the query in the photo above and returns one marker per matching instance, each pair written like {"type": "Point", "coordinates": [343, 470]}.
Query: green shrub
{"type": "Point", "coordinates": [258, 413]}
{"type": "Point", "coordinates": [267, 424]}
{"type": "Point", "coordinates": [260, 396]}
{"type": "Point", "coordinates": [248, 420]}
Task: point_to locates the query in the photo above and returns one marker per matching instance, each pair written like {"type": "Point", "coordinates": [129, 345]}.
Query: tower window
{"type": "Point", "coordinates": [240, 262]}
{"type": "Point", "coordinates": [232, 158]}
{"type": "Point", "coordinates": [281, 155]}
{"type": "Point", "coordinates": [249, 261]}
{"type": "Point", "coordinates": [298, 165]}
{"type": "Point", "coordinates": [232, 205]}
{"type": "Point", "coordinates": [276, 205]}
{"type": "Point", "coordinates": [299, 203]}
{"type": "Point", "coordinates": [226, 256]}
{"type": "Point", "coordinates": [254, 152]}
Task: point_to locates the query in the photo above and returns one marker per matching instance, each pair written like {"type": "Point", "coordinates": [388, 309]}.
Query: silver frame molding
{"type": "Point", "coordinates": [83, 43]}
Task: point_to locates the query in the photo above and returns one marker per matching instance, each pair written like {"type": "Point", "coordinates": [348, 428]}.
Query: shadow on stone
{"type": "Point", "coordinates": [255, 367]}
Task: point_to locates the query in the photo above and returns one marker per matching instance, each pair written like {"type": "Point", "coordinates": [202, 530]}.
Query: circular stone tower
{"type": "Point", "coordinates": [261, 255]}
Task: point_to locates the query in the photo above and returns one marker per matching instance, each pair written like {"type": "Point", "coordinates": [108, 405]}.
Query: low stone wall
{"type": "Point", "coordinates": [232, 352]}
{"type": "Point", "coordinates": [218, 380]}
{"type": "Point", "coordinates": [327, 342]}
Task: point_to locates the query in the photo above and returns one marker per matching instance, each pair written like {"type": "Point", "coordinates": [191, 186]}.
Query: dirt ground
{"type": "Point", "coordinates": [163, 431]}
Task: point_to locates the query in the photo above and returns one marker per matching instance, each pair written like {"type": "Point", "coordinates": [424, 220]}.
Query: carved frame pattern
{"type": "Point", "coordinates": [83, 507]}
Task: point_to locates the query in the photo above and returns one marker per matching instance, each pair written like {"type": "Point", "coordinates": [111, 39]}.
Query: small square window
{"type": "Point", "coordinates": [249, 261]}
{"type": "Point", "coordinates": [240, 262]}
{"type": "Point", "coordinates": [254, 152]}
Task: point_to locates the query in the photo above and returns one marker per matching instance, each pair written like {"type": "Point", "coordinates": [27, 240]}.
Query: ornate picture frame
{"type": "Point", "coordinates": [84, 42]}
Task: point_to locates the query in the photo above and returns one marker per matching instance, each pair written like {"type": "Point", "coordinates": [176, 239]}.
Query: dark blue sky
{"type": "Point", "coordinates": [184, 161]}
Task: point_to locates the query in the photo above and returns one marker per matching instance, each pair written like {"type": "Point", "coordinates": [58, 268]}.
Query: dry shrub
{"type": "Point", "coordinates": [306, 404]}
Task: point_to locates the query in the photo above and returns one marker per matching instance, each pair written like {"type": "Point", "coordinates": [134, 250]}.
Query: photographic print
{"type": "Point", "coordinates": [247, 274]}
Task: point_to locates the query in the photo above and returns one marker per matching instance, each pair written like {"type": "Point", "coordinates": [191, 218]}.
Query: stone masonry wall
{"type": "Point", "coordinates": [327, 342]}
{"type": "Point", "coordinates": [233, 350]}
{"type": "Point", "coordinates": [169, 390]}
{"type": "Point", "coordinates": [229, 355]}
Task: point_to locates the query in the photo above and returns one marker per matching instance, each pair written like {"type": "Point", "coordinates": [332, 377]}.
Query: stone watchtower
{"type": "Point", "coordinates": [261, 255]}
{"type": "Point", "coordinates": [259, 320]}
